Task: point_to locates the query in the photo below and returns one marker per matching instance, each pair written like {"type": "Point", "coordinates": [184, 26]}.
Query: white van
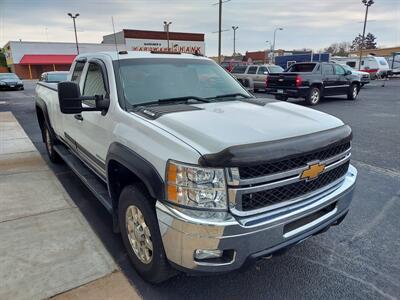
{"type": "Point", "coordinates": [374, 65]}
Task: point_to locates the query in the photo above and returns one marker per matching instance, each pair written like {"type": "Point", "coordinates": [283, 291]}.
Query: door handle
{"type": "Point", "coordinates": [78, 117]}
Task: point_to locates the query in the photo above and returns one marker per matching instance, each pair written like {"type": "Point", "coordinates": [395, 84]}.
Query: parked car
{"type": "Point", "coordinates": [10, 81]}
{"type": "Point", "coordinates": [229, 65]}
{"type": "Point", "coordinates": [256, 74]}
{"type": "Point", "coordinates": [197, 174]}
{"type": "Point", "coordinates": [54, 76]}
{"type": "Point", "coordinates": [363, 76]}
{"type": "Point", "coordinates": [312, 81]}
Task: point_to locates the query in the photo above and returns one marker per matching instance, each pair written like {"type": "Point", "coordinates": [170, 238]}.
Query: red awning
{"type": "Point", "coordinates": [47, 59]}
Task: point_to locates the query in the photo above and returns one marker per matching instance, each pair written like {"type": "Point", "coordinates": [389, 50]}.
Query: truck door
{"type": "Point", "coordinates": [260, 79]}
{"type": "Point", "coordinates": [343, 80]}
{"type": "Point", "coordinates": [90, 131]}
{"type": "Point", "coordinates": [329, 79]}
{"type": "Point", "coordinates": [252, 73]}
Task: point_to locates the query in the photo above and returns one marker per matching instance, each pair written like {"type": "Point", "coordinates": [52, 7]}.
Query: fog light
{"type": "Point", "coordinates": [201, 254]}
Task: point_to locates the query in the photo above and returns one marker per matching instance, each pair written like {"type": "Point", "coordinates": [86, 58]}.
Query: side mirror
{"type": "Point", "coordinates": [70, 99]}
{"type": "Point", "coordinates": [265, 73]}
{"type": "Point", "coordinates": [348, 72]}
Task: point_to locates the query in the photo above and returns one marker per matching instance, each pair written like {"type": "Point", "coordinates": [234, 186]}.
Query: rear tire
{"type": "Point", "coordinates": [142, 240]}
{"type": "Point", "coordinates": [314, 96]}
{"type": "Point", "coordinates": [353, 92]}
{"type": "Point", "coordinates": [50, 142]}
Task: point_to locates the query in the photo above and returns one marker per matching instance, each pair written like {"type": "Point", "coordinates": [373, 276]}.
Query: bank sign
{"type": "Point", "coordinates": [162, 45]}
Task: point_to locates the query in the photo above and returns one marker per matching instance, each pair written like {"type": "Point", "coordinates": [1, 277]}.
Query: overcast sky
{"type": "Point", "coordinates": [307, 23]}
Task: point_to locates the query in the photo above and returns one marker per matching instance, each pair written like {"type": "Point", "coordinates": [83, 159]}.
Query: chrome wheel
{"type": "Point", "coordinates": [139, 234]}
{"type": "Point", "coordinates": [314, 96]}
{"type": "Point", "coordinates": [355, 92]}
{"type": "Point", "coordinates": [49, 145]}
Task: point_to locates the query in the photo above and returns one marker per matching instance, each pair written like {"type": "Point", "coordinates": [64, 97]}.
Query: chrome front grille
{"type": "Point", "coordinates": [277, 184]}
{"type": "Point", "coordinates": [292, 163]}
{"type": "Point", "coordinates": [291, 191]}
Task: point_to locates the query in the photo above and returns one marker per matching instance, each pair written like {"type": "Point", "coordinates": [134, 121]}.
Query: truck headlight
{"type": "Point", "coordinates": [196, 187]}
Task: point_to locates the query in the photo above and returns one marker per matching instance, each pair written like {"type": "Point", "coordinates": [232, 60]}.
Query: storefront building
{"type": "Point", "coordinates": [30, 59]}
{"type": "Point", "coordinates": [145, 40]}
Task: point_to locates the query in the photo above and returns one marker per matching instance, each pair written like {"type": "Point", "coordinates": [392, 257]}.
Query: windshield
{"type": "Point", "coordinates": [275, 69]}
{"type": "Point", "coordinates": [8, 76]}
{"type": "Point", "coordinates": [348, 68]}
{"type": "Point", "coordinates": [301, 68]}
{"type": "Point", "coordinates": [382, 61]}
{"type": "Point", "coordinates": [151, 79]}
{"type": "Point", "coordinates": [56, 77]}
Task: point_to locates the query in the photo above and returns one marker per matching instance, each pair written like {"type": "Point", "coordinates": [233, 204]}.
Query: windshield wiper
{"type": "Point", "coordinates": [175, 99]}
{"type": "Point", "coordinates": [230, 95]}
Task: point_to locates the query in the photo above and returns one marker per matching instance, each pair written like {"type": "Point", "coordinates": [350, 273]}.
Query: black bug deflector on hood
{"type": "Point", "coordinates": [258, 153]}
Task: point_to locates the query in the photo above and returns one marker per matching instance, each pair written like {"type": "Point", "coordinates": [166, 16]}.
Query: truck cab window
{"type": "Point", "coordinates": [76, 75]}
{"type": "Point", "coordinates": [339, 70]}
{"type": "Point", "coordinates": [327, 70]}
{"type": "Point", "coordinates": [94, 83]}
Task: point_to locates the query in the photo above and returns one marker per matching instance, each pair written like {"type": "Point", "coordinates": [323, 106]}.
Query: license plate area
{"type": "Point", "coordinates": [309, 221]}
{"type": "Point", "coordinates": [279, 91]}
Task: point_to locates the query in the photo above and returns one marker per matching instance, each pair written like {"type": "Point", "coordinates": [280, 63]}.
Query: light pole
{"type": "Point", "coordinates": [273, 45]}
{"type": "Point", "coordinates": [367, 3]}
{"type": "Point", "coordinates": [166, 28]}
{"type": "Point", "coordinates": [234, 39]}
{"type": "Point", "coordinates": [268, 53]}
{"type": "Point", "coordinates": [76, 36]}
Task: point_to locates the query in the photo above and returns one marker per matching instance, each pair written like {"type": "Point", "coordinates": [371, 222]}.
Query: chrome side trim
{"type": "Point", "coordinates": [233, 176]}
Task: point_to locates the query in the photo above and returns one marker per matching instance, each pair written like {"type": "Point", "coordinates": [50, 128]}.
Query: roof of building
{"type": "Point", "coordinates": [47, 59]}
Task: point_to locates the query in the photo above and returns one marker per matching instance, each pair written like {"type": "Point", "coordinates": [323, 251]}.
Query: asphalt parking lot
{"type": "Point", "coordinates": [360, 259]}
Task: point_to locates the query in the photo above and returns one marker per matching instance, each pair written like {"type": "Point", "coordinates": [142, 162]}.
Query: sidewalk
{"type": "Point", "coordinates": [46, 245]}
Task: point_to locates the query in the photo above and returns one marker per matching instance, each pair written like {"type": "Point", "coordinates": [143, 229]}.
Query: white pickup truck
{"type": "Point", "coordinates": [198, 174]}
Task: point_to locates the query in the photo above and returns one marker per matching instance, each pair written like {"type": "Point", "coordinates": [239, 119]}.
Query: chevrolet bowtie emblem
{"type": "Point", "coordinates": [313, 171]}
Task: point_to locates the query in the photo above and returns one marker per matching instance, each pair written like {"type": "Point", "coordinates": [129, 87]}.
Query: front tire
{"type": "Point", "coordinates": [141, 235]}
{"type": "Point", "coordinates": [50, 142]}
{"type": "Point", "coordinates": [353, 92]}
{"type": "Point", "coordinates": [314, 96]}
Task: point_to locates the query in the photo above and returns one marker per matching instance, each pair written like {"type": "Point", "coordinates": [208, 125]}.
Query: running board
{"type": "Point", "coordinates": [91, 180]}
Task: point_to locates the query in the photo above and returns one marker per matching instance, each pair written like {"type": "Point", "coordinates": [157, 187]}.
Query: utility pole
{"type": "Point", "coordinates": [234, 39]}
{"type": "Point", "coordinates": [76, 36]}
{"type": "Point", "coordinates": [219, 30]}
{"type": "Point", "coordinates": [367, 3]}
{"type": "Point", "coordinates": [220, 26]}
{"type": "Point", "coordinates": [273, 45]}
{"type": "Point", "coordinates": [166, 28]}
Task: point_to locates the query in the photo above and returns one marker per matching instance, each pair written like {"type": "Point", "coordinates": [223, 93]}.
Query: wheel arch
{"type": "Point", "coordinates": [42, 115]}
{"type": "Point", "coordinates": [124, 167]}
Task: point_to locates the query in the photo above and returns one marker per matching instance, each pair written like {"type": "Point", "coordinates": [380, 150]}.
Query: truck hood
{"type": "Point", "coordinates": [223, 124]}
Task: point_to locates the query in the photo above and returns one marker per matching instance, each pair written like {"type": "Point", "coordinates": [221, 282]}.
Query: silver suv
{"type": "Point", "coordinates": [254, 75]}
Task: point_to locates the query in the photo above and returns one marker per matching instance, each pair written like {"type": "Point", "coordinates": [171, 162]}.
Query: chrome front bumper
{"type": "Point", "coordinates": [251, 236]}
